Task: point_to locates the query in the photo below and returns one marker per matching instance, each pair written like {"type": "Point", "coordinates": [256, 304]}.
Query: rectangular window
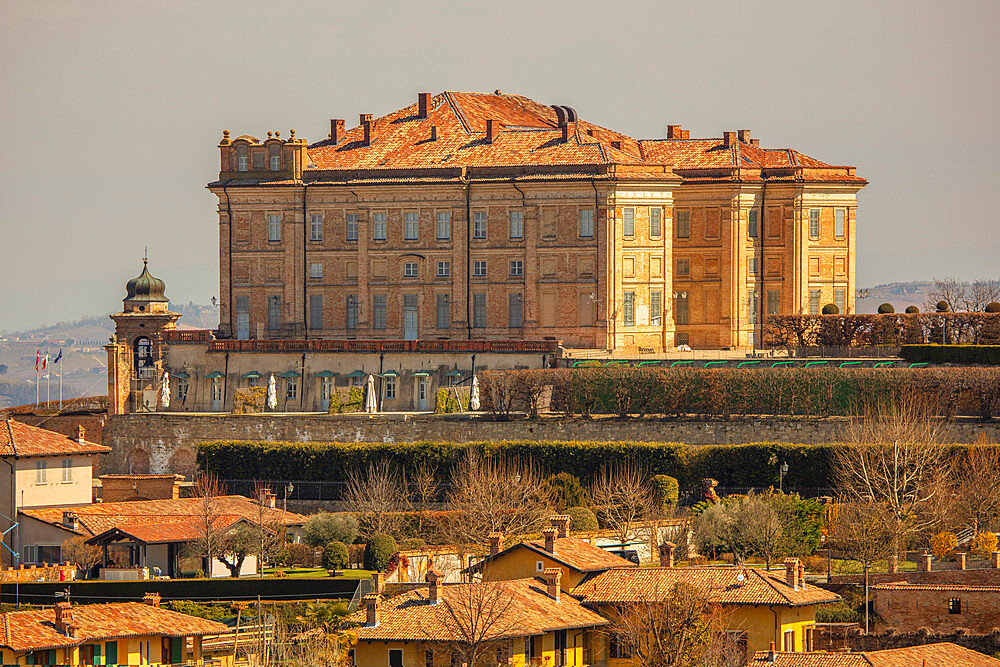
{"type": "Point", "coordinates": [40, 472]}
{"type": "Point", "coordinates": [352, 226]}
{"type": "Point", "coordinates": [683, 224]}
{"type": "Point", "coordinates": [752, 266]}
{"type": "Point", "coordinates": [315, 227]}
{"type": "Point", "coordinates": [516, 267]}
{"type": "Point", "coordinates": [681, 308]}
{"type": "Point", "coordinates": [409, 269]}
{"type": "Point", "coordinates": [840, 223]}
{"type": "Point", "coordinates": [274, 227]}
{"type": "Point", "coordinates": [752, 306]}
{"type": "Point", "coordinates": [655, 307]}
{"type": "Point", "coordinates": [352, 311]}
{"type": "Point", "coordinates": [443, 269]}
{"type": "Point", "coordinates": [274, 312]}
{"type": "Point", "coordinates": [479, 311]}
{"type": "Point", "coordinates": [411, 227]}
{"type": "Point", "coordinates": [814, 302]}
{"type": "Point", "coordinates": [655, 226]}
{"type": "Point", "coordinates": [479, 268]}
{"type": "Point", "coordinates": [429, 658]}
{"type": "Point", "coordinates": [628, 308]}
{"type": "Point", "coordinates": [814, 223]}
{"type": "Point", "coordinates": [67, 470]}
{"type": "Point", "coordinates": [315, 311]}
{"type": "Point", "coordinates": [182, 389]}
{"type": "Point", "coordinates": [516, 224]}
{"type": "Point", "coordinates": [444, 225]}
{"type": "Point", "coordinates": [515, 319]}
{"type": "Point", "coordinates": [839, 301]}
{"type": "Point", "coordinates": [390, 387]}
{"type": "Point", "coordinates": [275, 162]}
{"type": "Point", "coordinates": [628, 222]}
{"type": "Point", "coordinates": [586, 223]}
{"type": "Point", "coordinates": [955, 606]}
{"type": "Point", "coordinates": [479, 225]}
{"type": "Point", "coordinates": [684, 267]}
{"type": "Point", "coordinates": [753, 229]}
{"type": "Point", "coordinates": [789, 639]}
{"type": "Point", "coordinates": [315, 270]}
{"type": "Point", "coordinates": [773, 301]}
{"type": "Point", "coordinates": [378, 226]}
{"type": "Point", "coordinates": [291, 387]}
{"type": "Point", "coordinates": [618, 648]}
{"type": "Point", "coordinates": [242, 164]}
{"type": "Point", "coordinates": [378, 311]}
{"type": "Point", "coordinates": [395, 657]}
{"type": "Point", "coordinates": [443, 312]}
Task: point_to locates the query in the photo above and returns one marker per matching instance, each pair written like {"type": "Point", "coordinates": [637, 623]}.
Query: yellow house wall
{"type": "Point", "coordinates": [522, 563]}
{"type": "Point", "coordinates": [376, 653]}
{"type": "Point", "coordinates": [128, 652]}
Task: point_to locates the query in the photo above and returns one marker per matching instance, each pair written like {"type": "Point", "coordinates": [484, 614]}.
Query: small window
{"type": "Point", "coordinates": [411, 227]}
{"type": "Point", "coordinates": [753, 230]}
{"type": "Point", "coordinates": [773, 301]}
{"type": "Point", "coordinates": [789, 640]}
{"type": "Point", "coordinates": [443, 225]}
{"type": "Point", "coordinates": [752, 266]}
{"type": "Point", "coordinates": [443, 269]}
{"type": "Point", "coordinates": [315, 311]}
{"type": "Point", "coordinates": [516, 224]}
{"type": "Point", "coordinates": [655, 307]}
{"type": "Point", "coordinates": [67, 470]}
{"type": "Point", "coordinates": [618, 647]}
{"type": "Point", "coordinates": [390, 387]}
{"type": "Point", "coordinates": [274, 312]}
{"type": "Point", "coordinates": [378, 311]}
{"type": "Point", "coordinates": [814, 223]}
{"type": "Point", "coordinates": [655, 225]}
{"type": "Point", "coordinates": [443, 311]}
{"type": "Point", "coordinates": [241, 163]}
{"type": "Point", "coordinates": [840, 223]}
{"type": "Point", "coordinates": [586, 223]}
{"type": "Point", "coordinates": [628, 222]}
{"type": "Point", "coordinates": [378, 226]}
{"type": "Point", "coordinates": [479, 225]}
{"type": "Point", "coordinates": [539, 566]}
{"type": "Point", "coordinates": [628, 308]}
{"type": "Point", "coordinates": [182, 389]}
{"type": "Point", "coordinates": [274, 159]}
{"type": "Point", "coordinates": [291, 388]}
{"type": "Point", "coordinates": [410, 270]}
{"type": "Point", "coordinates": [315, 227]}
{"type": "Point", "coordinates": [516, 267]}
{"type": "Point", "coordinates": [352, 226]}
{"type": "Point", "coordinates": [40, 472]}
{"type": "Point", "coordinates": [515, 311]}
{"type": "Point", "coordinates": [479, 311]}
{"type": "Point", "coordinates": [479, 268]}
{"type": "Point", "coordinates": [681, 309]}
{"type": "Point", "coordinates": [352, 311]}
{"type": "Point", "coordinates": [814, 301]}
{"type": "Point", "coordinates": [315, 270]}
{"type": "Point", "coordinates": [274, 227]}
{"type": "Point", "coordinates": [683, 267]}
{"type": "Point", "coordinates": [683, 224]}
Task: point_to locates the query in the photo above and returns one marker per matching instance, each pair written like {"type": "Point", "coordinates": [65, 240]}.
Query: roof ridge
{"type": "Point", "coordinates": [10, 433]}
{"type": "Point", "coordinates": [765, 575]}
{"type": "Point", "coordinates": [457, 110]}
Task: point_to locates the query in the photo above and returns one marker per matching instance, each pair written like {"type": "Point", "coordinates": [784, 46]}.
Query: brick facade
{"type": "Point", "coordinates": [944, 608]}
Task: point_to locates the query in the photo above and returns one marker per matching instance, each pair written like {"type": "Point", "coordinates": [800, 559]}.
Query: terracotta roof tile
{"type": "Point", "coordinates": [531, 612]}
{"type": "Point", "coordinates": [35, 630]}
{"type": "Point", "coordinates": [906, 586]}
{"type": "Point", "coordinates": [573, 552]}
{"type": "Point", "coordinates": [17, 439]}
{"type": "Point", "coordinates": [818, 659]}
{"type": "Point", "coordinates": [759, 587]}
{"type": "Point", "coordinates": [928, 655]}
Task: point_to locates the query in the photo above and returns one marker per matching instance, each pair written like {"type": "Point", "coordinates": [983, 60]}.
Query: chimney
{"type": "Point", "coordinates": [550, 539]}
{"type": "Point", "coordinates": [423, 104]}
{"type": "Point", "coordinates": [568, 131]}
{"type": "Point", "coordinates": [792, 572]}
{"type": "Point", "coordinates": [894, 563]}
{"type": "Point", "coordinates": [80, 431]}
{"type": "Point", "coordinates": [378, 582]}
{"type": "Point", "coordinates": [434, 132]}
{"type": "Point", "coordinates": [960, 558]}
{"type": "Point", "coordinates": [64, 619]}
{"type": "Point", "coordinates": [71, 520]}
{"type": "Point", "coordinates": [553, 577]}
{"type": "Point", "coordinates": [336, 130]}
{"type": "Point", "coordinates": [926, 564]}
{"type": "Point", "coordinates": [561, 523]}
{"type": "Point", "coordinates": [802, 574]}
{"type": "Point", "coordinates": [366, 123]}
{"type": "Point", "coordinates": [268, 498]}
{"type": "Point", "coordinates": [372, 601]}
{"type": "Point", "coordinates": [496, 543]}
{"type": "Point", "coordinates": [667, 550]}
{"type": "Point", "coordinates": [728, 139]}
{"type": "Point", "coordinates": [755, 142]}
{"type": "Point", "coordinates": [770, 656]}
{"type": "Point", "coordinates": [685, 134]}
{"type": "Point", "coordinates": [433, 589]}
{"type": "Point", "coordinates": [743, 135]}
{"type": "Point", "coordinates": [152, 599]}
{"type": "Point", "coordinates": [673, 131]}
{"type": "Point", "coordinates": [492, 130]}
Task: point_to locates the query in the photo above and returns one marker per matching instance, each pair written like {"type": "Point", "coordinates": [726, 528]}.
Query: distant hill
{"type": "Point", "coordinates": [900, 295]}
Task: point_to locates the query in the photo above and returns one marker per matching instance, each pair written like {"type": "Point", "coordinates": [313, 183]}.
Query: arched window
{"type": "Point", "coordinates": [143, 354]}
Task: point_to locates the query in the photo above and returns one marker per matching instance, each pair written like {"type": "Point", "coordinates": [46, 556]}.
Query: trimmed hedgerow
{"type": "Point", "coordinates": [952, 354]}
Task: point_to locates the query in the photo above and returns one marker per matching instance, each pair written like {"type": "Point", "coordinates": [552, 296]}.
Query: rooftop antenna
{"type": "Point", "coordinates": [145, 252]}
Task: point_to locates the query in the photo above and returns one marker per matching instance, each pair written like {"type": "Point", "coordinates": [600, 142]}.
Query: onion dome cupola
{"type": "Point", "coordinates": [144, 293]}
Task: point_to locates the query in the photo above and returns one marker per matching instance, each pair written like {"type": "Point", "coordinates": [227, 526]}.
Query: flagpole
{"type": "Point", "coordinates": [60, 386]}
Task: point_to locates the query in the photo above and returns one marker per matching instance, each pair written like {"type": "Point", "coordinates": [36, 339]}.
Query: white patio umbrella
{"type": "Point", "coordinates": [474, 394]}
{"type": "Point", "coordinates": [272, 393]}
{"type": "Point", "coordinates": [371, 406]}
{"type": "Point", "coordinates": [165, 390]}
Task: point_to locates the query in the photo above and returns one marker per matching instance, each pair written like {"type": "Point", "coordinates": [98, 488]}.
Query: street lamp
{"type": "Point", "coordinates": [782, 471]}
{"type": "Point", "coordinates": [288, 489]}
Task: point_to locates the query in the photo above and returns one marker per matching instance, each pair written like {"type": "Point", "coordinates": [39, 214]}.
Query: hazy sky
{"type": "Point", "coordinates": [111, 112]}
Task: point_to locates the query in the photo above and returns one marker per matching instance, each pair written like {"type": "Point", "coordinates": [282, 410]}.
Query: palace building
{"type": "Point", "coordinates": [471, 216]}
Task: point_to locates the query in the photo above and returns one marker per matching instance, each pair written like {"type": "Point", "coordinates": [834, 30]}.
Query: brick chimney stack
{"type": "Point", "coordinates": [71, 520]}
{"type": "Point", "coordinates": [926, 564]}
{"type": "Point", "coordinates": [561, 523]}
{"type": "Point", "coordinates": [434, 132]}
{"type": "Point", "coordinates": [667, 551]}
{"type": "Point", "coordinates": [743, 135]}
{"type": "Point", "coordinates": [64, 619]}
{"type": "Point", "coordinates": [550, 539]}
{"type": "Point", "coordinates": [496, 543]}
{"type": "Point", "coordinates": [152, 599]}
{"type": "Point", "coordinates": [568, 131]}
{"type": "Point", "coordinates": [423, 104]}
{"type": "Point", "coordinates": [792, 572]}
{"type": "Point", "coordinates": [372, 602]}
{"type": "Point", "coordinates": [433, 588]}
{"type": "Point", "coordinates": [80, 431]}
{"type": "Point", "coordinates": [366, 123]}
{"type": "Point", "coordinates": [336, 130]}
{"type": "Point", "coordinates": [553, 577]}
{"type": "Point", "coordinates": [728, 139]}
{"type": "Point", "coordinates": [673, 131]}
{"type": "Point", "coordinates": [492, 130]}
{"type": "Point", "coordinates": [960, 558]}
{"type": "Point", "coordinates": [755, 142]}
{"type": "Point", "coordinates": [378, 581]}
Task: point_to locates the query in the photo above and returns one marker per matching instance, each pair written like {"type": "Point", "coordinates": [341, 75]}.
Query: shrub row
{"type": "Point", "coordinates": [882, 329]}
{"type": "Point", "coordinates": [728, 392]}
{"type": "Point", "coordinates": [952, 354]}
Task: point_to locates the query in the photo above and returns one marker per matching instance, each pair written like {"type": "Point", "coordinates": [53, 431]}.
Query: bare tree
{"type": "Point", "coordinates": [622, 497]}
{"type": "Point", "coordinates": [84, 556]}
{"type": "Point", "coordinates": [981, 294]}
{"type": "Point", "coordinates": [492, 494]}
{"type": "Point", "coordinates": [977, 488]}
{"type": "Point", "coordinates": [424, 489]}
{"type": "Point", "coordinates": [269, 533]}
{"type": "Point", "coordinates": [377, 495]}
{"type": "Point", "coordinates": [962, 297]}
{"type": "Point", "coordinates": [209, 544]}
{"type": "Point", "coordinates": [479, 618]}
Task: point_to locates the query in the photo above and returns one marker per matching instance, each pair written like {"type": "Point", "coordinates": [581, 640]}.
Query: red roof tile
{"type": "Point", "coordinates": [928, 655]}
{"type": "Point", "coordinates": [906, 586]}
{"type": "Point", "coordinates": [17, 439]}
{"type": "Point", "coordinates": [572, 552]}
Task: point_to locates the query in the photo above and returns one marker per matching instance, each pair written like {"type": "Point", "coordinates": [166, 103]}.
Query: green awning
{"type": "Point", "coordinates": [324, 374]}
{"type": "Point", "coordinates": [390, 374]}
{"type": "Point", "coordinates": [454, 374]}
{"type": "Point", "coordinates": [178, 374]}
{"type": "Point", "coordinates": [290, 374]}
{"type": "Point", "coordinates": [252, 375]}
{"type": "Point", "coordinates": [422, 374]}
{"type": "Point", "coordinates": [213, 375]}
{"type": "Point", "coordinates": [357, 374]}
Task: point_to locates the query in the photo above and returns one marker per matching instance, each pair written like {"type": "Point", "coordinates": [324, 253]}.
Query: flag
{"type": "Point", "coordinates": [45, 361]}
{"type": "Point", "coordinates": [58, 357]}
{"type": "Point", "coordinates": [38, 359]}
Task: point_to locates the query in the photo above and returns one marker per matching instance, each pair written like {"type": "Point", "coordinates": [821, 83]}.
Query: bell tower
{"type": "Point", "coordinates": [135, 353]}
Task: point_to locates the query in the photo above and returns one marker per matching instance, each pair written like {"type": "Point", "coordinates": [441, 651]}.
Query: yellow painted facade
{"type": "Point", "coordinates": [522, 650]}
{"type": "Point", "coordinates": [147, 650]}
{"type": "Point", "coordinates": [522, 562]}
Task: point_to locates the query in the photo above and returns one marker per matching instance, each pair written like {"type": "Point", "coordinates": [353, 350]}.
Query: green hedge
{"type": "Point", "coordinates": [952, 354]}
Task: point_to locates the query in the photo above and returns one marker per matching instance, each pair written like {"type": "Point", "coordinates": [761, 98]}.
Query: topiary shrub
{"type": "Point", "coordinates": [665, 490]}
{"type": "Point", "coordinates": [941, 306]}
{"type": "Point", "coordinates": [886, 308]}
{"type": "Point", "coordinates": [566, 491]}
{"type": "Point", "coordinates": [582, 519]}
{"type": "Point", "coordinates": [324, 527]}
{"type": "Point", "coordinates": [831, 309]}
{"type": "Point", "coordinates": [379, 551]}
{"type": "Point", "coordinates": [335, 556]}
{"type": "Point", "coordinates": [993, 307]}
{"type": "Point", "coordinates": [912, 310]}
